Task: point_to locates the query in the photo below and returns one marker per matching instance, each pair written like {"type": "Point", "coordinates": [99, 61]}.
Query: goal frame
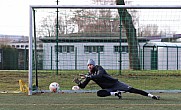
{"type": "Point", "coordinates": [31, 23]}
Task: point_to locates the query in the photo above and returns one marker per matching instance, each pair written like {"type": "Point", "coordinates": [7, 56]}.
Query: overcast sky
{"type": "Point", "coordinates": [14, 18]}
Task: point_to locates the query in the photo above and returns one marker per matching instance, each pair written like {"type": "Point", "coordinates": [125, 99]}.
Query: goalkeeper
{"type": "Point", "coordinates": [109, 85]}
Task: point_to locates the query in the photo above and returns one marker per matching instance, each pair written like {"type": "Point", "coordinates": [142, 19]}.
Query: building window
{"type": "Point", "coordinates": [17, 46]}
{"type": "Point", "coordinates": [123, 48]}
{"type": "Point", "coordinates": [93, 49]}
{"type": "Point", "coordinates": [40, 45]}
{"type": "Point", "coordinates": [65, 48]}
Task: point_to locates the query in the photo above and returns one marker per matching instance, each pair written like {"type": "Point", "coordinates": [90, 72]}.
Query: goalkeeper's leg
{"type": "Point", "coordinates": [104, 93]}
{"type": "Point", "coordinates": [141, 92]}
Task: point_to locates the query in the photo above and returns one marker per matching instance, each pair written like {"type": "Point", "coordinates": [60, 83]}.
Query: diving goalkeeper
{"type": "Point", "coordinates": [110, 86]}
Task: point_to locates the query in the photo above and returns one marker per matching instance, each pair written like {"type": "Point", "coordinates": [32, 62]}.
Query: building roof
{"type": "Point", "coordinates": [89, 37]}
{"type": "Point", "coordinates": [162, 44]}
{"type": "Point", "coordinates": [99, 37]}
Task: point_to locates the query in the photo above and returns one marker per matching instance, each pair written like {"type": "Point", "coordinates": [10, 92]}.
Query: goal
{"type": "Point", "coordinates": [64, 37]}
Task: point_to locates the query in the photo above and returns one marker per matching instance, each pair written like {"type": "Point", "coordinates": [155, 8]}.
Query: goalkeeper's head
{"type": "Point", "coordinates": [90, 65]}
{"type": "Point", "coordinates": [91, 61]}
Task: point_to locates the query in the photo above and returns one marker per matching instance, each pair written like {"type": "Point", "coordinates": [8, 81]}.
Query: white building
{"type": "Point", "coordinates": [162, 56]}
{"type": "Point", "coordinates": [73, 52]}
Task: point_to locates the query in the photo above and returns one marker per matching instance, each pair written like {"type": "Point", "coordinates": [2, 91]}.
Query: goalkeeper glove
{"type": "Point", "coordinates": [83, 76]}
{"type": "Point", "coordinates": [77, 81]}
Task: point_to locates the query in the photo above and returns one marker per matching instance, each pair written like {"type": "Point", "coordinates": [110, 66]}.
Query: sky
{"type": "Point", "coordinates": [14, 18]}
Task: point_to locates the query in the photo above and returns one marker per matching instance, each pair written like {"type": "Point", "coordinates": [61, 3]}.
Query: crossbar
{"type": "Point", "coordinates": [109, 6]}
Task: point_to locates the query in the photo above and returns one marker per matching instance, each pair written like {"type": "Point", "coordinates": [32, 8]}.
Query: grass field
{"type": "Point", "coordinates": [88, 101]}
{"type": "Point", "coordinates": [145, 80]}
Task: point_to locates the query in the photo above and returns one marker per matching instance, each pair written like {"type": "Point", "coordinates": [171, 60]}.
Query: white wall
{"type": "Point", "coordinates": [147, 58]}
{"type": "Point", "coordinates": [108, 59]}
{"type": "Point", "coordinates": [167, 59]}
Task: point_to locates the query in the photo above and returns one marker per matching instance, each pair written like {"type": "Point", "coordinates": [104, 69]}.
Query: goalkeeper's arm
{"type": "Point", "coordinates": [82, 84]}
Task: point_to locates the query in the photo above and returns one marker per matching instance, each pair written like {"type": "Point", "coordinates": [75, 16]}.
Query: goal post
{"type": "Point", "coordinates": [30, 69]}
{"type": "Point", "coordinates": [104, 38]}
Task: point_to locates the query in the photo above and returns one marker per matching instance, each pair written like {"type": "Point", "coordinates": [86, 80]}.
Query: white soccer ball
{"type": "Point", "coordinates": [75, 88]}
{"type": "Point", "coordinates": [54, 87]}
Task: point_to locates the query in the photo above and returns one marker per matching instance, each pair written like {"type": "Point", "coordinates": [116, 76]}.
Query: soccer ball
{"type": "Point", "coordinates": [75, 88]}
{"type": "Point", "coordinates": [54, 87]}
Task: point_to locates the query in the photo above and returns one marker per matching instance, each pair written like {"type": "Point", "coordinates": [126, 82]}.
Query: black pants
{"type": "Point", "coordinates": [104, 93]}
{"type": "Point", "coordinates": [137, 91]}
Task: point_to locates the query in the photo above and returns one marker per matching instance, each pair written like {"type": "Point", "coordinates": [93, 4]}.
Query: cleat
{"type": "Point", "coordinates": [118, 94]}
{"type": "Point", "coordinates": [156, 97]}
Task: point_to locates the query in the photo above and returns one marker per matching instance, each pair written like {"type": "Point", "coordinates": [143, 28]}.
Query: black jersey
{"type": "Point", "coordinates": [100, 77]}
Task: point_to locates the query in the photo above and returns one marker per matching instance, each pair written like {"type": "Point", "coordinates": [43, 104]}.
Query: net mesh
{"type": "Point", "coordinates": [98, 34]}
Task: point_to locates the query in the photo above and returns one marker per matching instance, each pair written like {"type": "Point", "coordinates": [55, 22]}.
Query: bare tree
{"type": "Point", "coordinates": [149, 30]}
{"type": "Point", "coordinates": [153, 30]}
{"type": "Point", "coordinates": [5, 40]}
{"type": "Point", "coordinates": [47, 27]}
{"type": "Point", "coordinates": [127, 22]}
{"type": "Point", "coordinates": [99, 20]}
{"type": "Point", "coordinates": [104, 2]}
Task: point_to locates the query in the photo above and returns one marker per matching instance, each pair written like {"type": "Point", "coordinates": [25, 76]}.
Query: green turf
{"type": "Point", "coordinates": [146, 80]}
{"type": "Point", "coordinates": [88, 101]}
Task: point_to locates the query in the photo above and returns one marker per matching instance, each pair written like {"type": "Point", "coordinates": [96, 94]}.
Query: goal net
{"type": "Point", "coordinates": [119, 38]}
